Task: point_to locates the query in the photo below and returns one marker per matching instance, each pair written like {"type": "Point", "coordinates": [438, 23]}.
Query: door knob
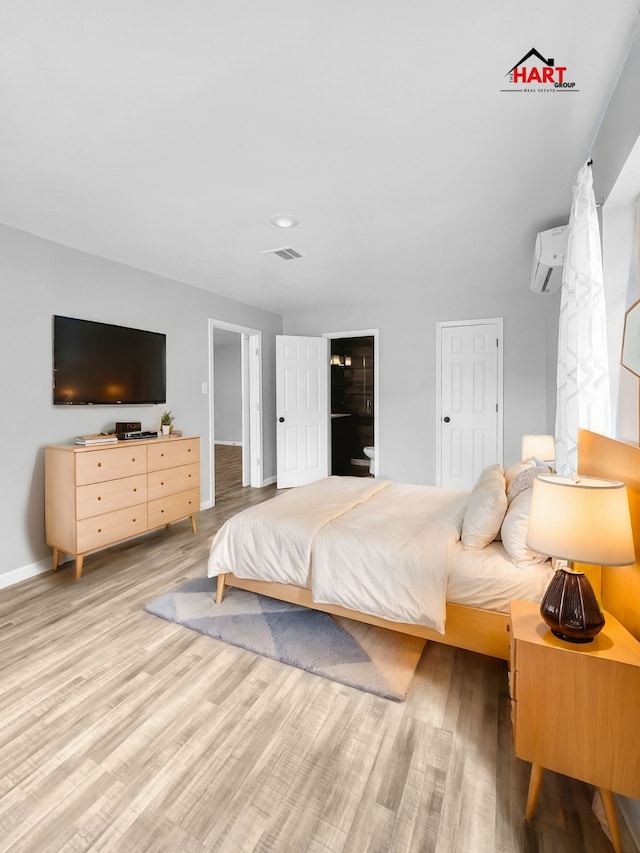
{"type": "Point", "coordinates": [281, 420]}
{"type": "Point", "coordinates": [447, 419]}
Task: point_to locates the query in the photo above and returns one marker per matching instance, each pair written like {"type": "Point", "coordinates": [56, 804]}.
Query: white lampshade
{"type": "Point", "coordinates": [584, 521]}
{"type": "Point", "coordinates": [541, 446]}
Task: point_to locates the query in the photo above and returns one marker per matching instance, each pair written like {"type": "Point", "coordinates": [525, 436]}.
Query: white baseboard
{"type": "Point", "coordinates": [230, 443]}
{"type": "Point", "coordinates": [268, 481]}
{"type": "Point", "coordinates": [25, 572]}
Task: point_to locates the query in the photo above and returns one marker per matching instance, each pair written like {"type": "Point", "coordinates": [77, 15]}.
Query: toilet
{"type": "Point", "coordinates": [370, 453]}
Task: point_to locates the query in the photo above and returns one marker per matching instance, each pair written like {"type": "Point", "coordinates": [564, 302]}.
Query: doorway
{"type": "Point", "coordinates": [227, 412]}
{"type": "Point", "coordinates": [235, 407]}
{"type": "Point", "coordinates": [353, 398]}
{"type": "Point", "coordinates": [469, 409]}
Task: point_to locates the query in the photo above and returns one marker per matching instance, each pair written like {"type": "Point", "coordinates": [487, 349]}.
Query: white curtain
{"type": "Point", "coordinates": [583, 371]}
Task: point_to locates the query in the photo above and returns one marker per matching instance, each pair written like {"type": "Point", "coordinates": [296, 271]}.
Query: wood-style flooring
{"type": "Point", "coordinates": [228, 470]}
{"type": "Point", "coordinates": [122, 732]}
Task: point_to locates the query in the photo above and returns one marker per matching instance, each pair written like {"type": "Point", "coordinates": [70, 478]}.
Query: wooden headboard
{"type": "Point", "coordinates": [599, 456]}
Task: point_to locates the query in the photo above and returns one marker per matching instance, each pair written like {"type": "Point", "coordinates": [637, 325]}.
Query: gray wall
{"type": "Point", "coordinates": [227, 391]}
{"type": "Point", "coordinates": [620, 126]}
{"type": "Point", "coordinates": [407, 360]}
{"type": "Point", "coordinates": [618, 135]}
{"type": "Point", "coordinates": [616, 181]}
{"type": "Point", "coordinates": [41, 278]}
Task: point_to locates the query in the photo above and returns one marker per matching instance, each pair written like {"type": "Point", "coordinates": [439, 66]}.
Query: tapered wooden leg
{"type": "Point", "coordinates": [79, 562]}
{"type": "Point", "coordinates": [535, 781]}
{"type": "Point", "coordinates": [56, 558]}
{"type": "Point", "coordinates": [220, 589]}
{"type": "Point", "coordinates": [612, 818]}
{"type": "Point", "coordinates": [193, 524]}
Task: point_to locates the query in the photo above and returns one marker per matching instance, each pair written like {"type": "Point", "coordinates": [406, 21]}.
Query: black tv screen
{"type": "Point", "coordinates": [101, 364]}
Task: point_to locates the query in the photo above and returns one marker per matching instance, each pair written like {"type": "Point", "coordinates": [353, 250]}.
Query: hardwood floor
{"type": "Point", "coordinates": [123, 732]}
{"type": "Point", "coordinates": [228, 469]}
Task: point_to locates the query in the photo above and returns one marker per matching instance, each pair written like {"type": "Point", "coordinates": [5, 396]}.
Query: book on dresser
{"type": "Point", "coordinates": [100, 438]}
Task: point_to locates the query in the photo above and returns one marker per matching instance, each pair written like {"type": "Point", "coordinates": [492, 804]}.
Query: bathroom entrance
{"type": "Point", "coordinates": [354, 450]}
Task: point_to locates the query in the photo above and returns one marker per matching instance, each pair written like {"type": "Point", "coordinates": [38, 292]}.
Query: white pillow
{"type": "Point", "coordinates": [524, 480]}
{"type": "Point", "coordinates": [514, 531]}
{"type": "Point", "coordinates": [486, 508]}
{"type": "Point", "coordinates": [513, 470]}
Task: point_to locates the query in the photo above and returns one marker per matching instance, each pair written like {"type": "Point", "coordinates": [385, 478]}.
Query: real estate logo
{"type": "Point", "coordinates": [535, 73]}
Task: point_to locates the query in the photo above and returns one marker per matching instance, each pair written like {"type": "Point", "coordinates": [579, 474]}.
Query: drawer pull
{"type": "Point", "coordinates": [99, 530]}
{"type": "Point", "coordinates": [99, 464]}
{"type": "Point", "coordinates": [133, 458]}
{"type": "Point", "coordinates": [162, 482]}
{"type": "Point", "coordinates": [99, 498]}
{"type": "Point", "coordinates": [188, 450]}
{"type": "Point", "coordinates": [189, 476]}
{"type": "Point", "coordinates": [135, 490]}
{"type": "Point", "coordinates": [134, 521]}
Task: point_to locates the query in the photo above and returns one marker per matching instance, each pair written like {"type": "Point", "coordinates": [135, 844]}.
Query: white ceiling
{"type": "Point", "coordinates": [164, 135]}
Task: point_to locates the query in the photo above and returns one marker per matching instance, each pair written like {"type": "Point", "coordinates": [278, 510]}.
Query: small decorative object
{"type": "Point", "coordinates": [166, 421]}
{"type": "Point", "coordinates": [585, 520]}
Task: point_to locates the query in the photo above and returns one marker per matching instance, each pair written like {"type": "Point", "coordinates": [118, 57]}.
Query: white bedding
{"type": "Point", "coordinates": [272, 541]}
{"type": "Point", "coordinates": [488, 579]}
{"type": "Point", "coordinates": [383, 548]}
{"type": "Point", "coordinates": [389, 557]}
{"type": "Point", "coordinates": [371, 545]}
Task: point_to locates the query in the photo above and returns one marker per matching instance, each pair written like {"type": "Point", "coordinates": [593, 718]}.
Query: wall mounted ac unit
{"type": "Point", "coordinates": [548, 260]}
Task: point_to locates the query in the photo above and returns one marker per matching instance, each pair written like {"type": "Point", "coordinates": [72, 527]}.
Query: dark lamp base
{"type": "Point", "coordinates": [570, 607]}
{"type": "Point", "coordinates": [571, 639]}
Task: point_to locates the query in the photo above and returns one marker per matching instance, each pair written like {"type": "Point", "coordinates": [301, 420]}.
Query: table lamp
{"type": "Point", "coordinates": [541, 446]}
{"type": "Point", "coordinates": [585, 520]}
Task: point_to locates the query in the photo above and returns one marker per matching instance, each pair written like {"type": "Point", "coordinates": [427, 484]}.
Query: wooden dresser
{"type": "Point", "coordinates": [103, 494]}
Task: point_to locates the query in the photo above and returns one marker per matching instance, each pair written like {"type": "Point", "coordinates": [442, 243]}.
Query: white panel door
{"type": "Point", "coordinates": [302, 410]}
{"type": "Point", "coordinates": [470, 393]}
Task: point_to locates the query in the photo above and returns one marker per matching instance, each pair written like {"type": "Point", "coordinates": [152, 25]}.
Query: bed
{"type": "Point", "coordinates": [400, 556]}
{"type": "Point", "coordinates": [480, 581]}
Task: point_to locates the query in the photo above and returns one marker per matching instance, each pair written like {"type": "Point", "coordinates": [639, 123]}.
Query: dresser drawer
{"type": "Point", "coordinates": [172, 480]}
{"type": "Point", "coordinates": [111, 527]}
{"type": "Point", "coordinates": [173, 508]}
{"type": "Point", "coordinates": [96, 466]}
{"type": "Point", "coordinates": [173, 452]}
{"type": "Point", "coordinates": [98, 498]}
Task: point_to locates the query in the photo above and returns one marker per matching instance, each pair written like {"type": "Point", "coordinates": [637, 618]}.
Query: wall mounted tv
{"type": "Point", "coordinates": [101, 364]}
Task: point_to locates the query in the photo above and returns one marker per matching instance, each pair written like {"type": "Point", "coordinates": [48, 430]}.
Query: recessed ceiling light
{"type": "Point", "coordinates": [284, 220]}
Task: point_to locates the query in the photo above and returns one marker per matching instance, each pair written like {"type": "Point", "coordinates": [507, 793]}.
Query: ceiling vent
{"type": "Point", "coordinates": [288, 253]}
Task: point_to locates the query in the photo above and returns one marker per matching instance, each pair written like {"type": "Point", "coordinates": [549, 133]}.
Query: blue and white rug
{"type": "Point", "coordinates": [367, 658]}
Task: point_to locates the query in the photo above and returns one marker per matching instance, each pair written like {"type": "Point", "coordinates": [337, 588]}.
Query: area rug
{"type": "Point", "coordinates": [362, 656]}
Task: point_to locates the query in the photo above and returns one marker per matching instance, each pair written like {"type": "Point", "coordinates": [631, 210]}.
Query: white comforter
{"type": "Point", "coordinates": [370, 545]}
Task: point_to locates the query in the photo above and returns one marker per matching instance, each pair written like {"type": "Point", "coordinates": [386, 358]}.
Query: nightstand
{"type": "Point", "coordinates": [575, 707]}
